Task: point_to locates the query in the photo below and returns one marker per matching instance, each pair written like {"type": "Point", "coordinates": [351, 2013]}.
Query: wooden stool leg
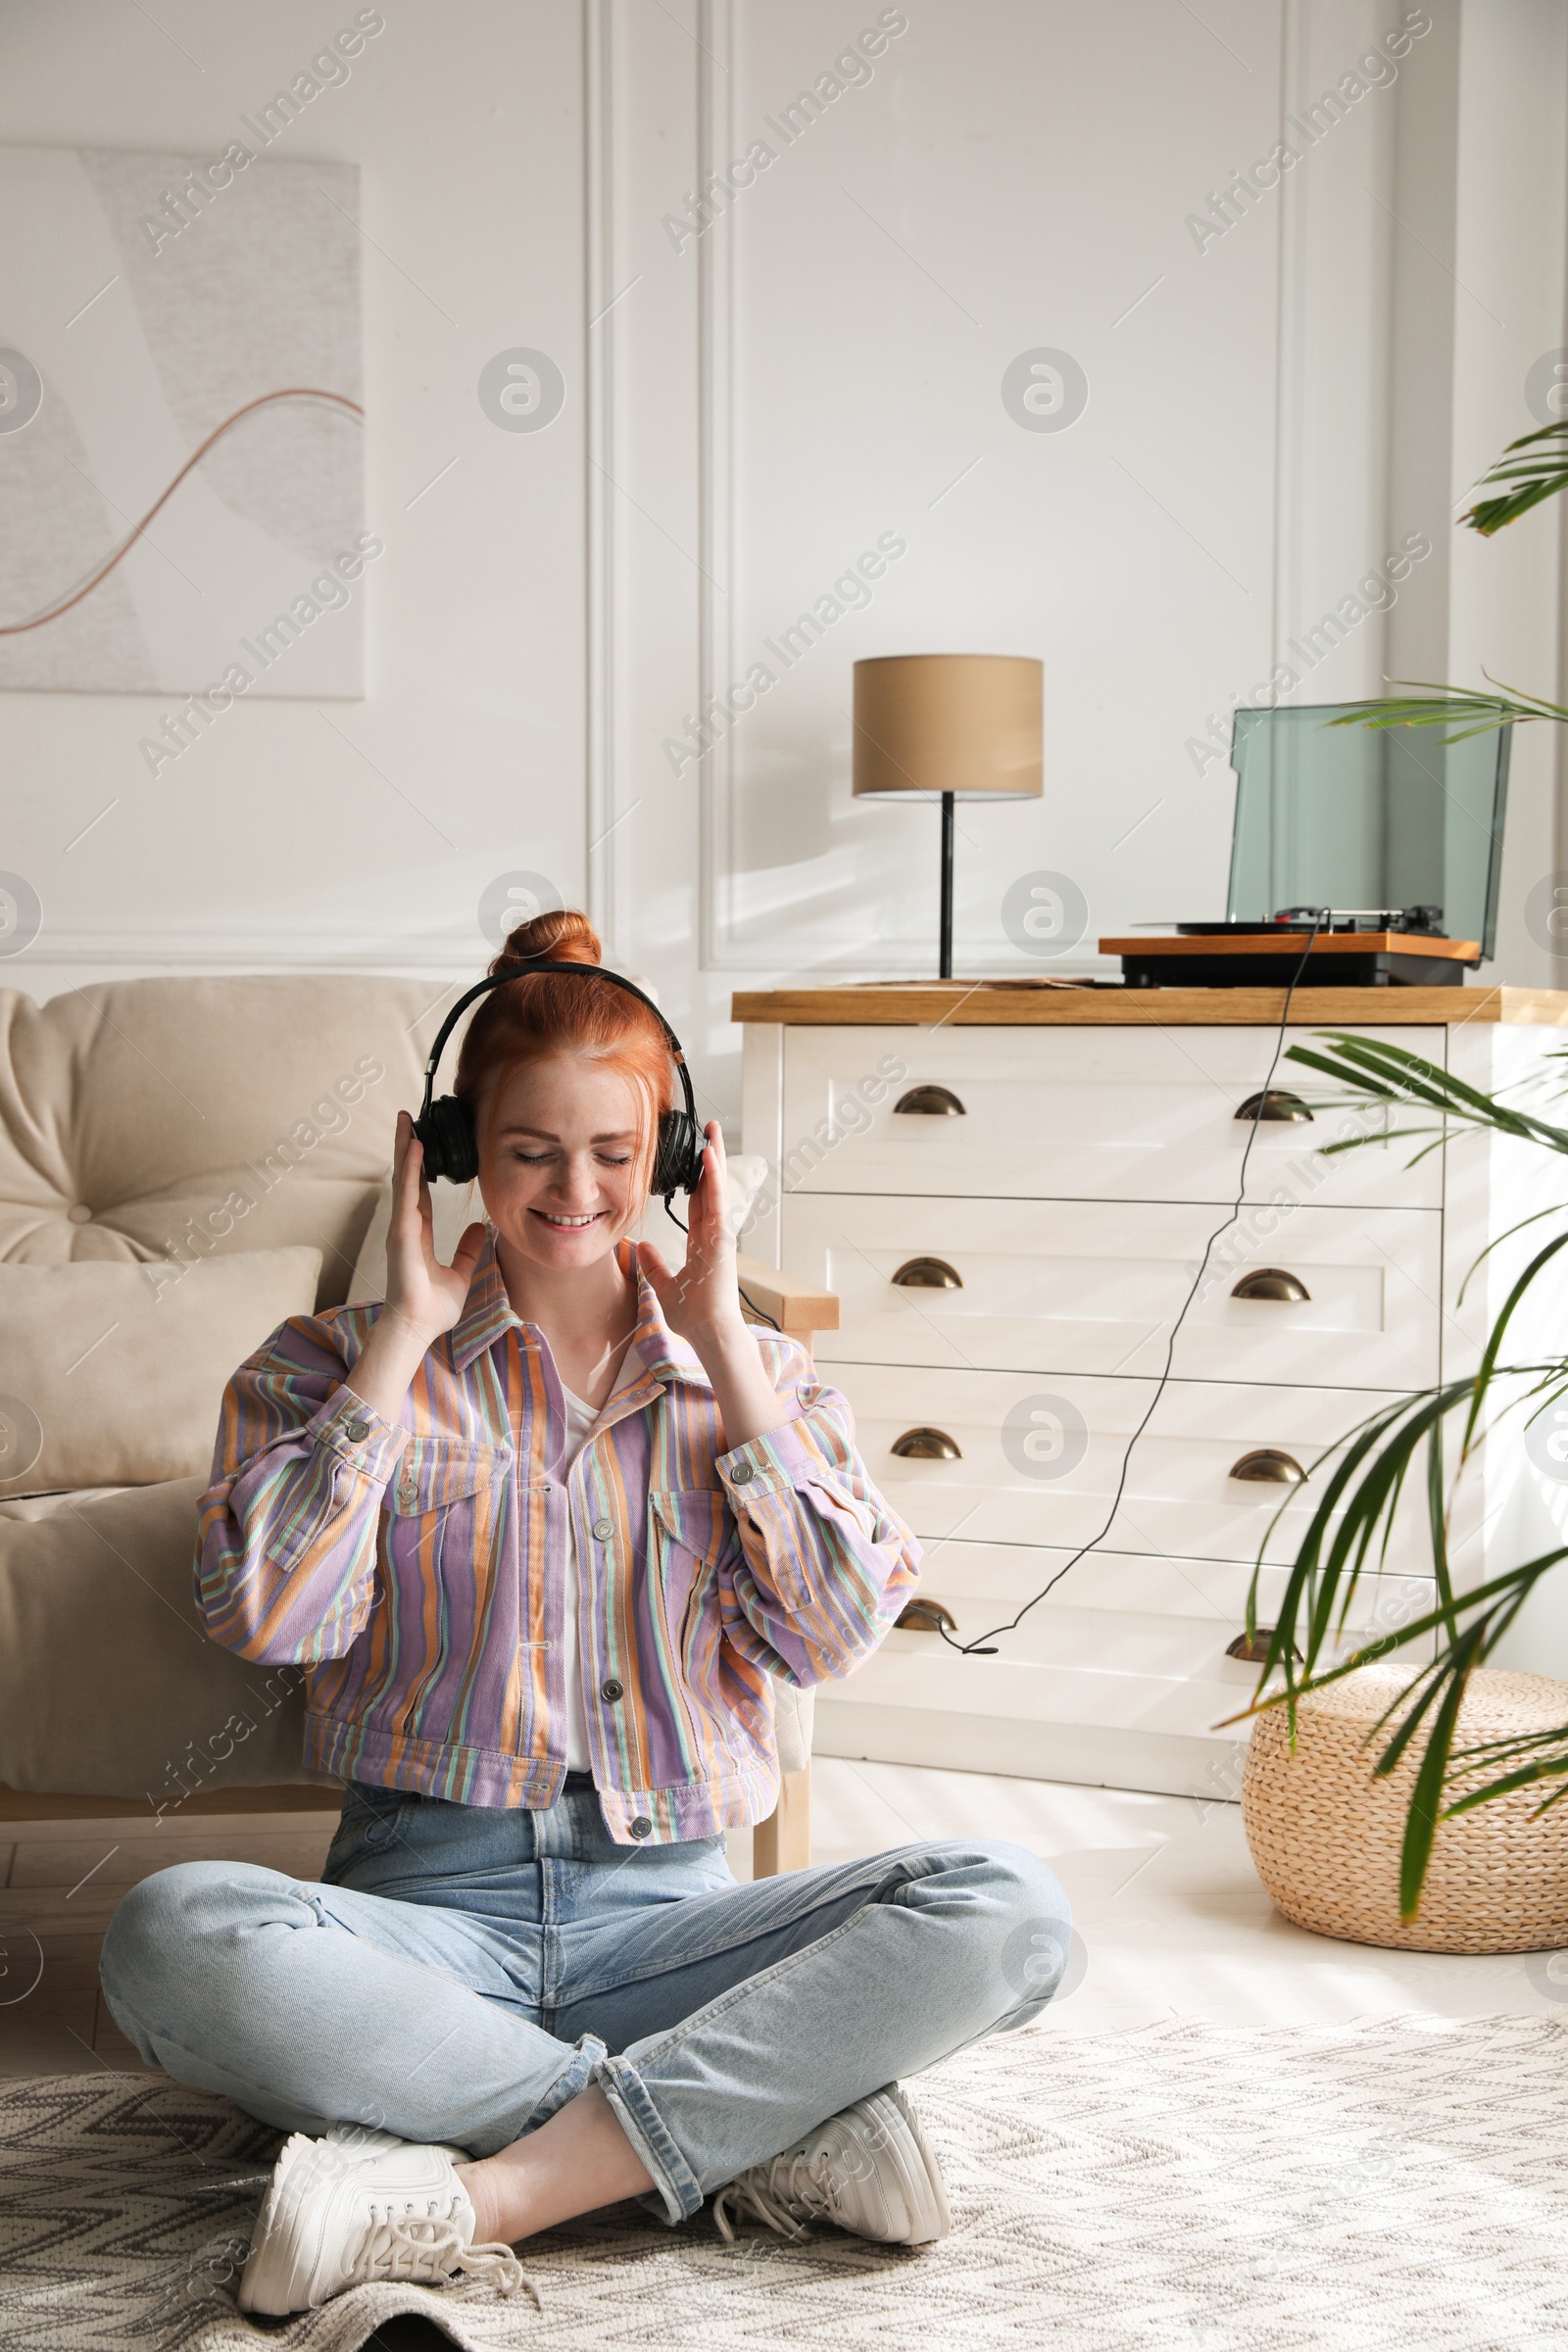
{"type": "Point", "coordinates": [783, 1842]}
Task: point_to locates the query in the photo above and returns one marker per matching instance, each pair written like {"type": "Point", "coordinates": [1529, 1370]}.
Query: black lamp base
{"type": "Point", "coordinates": [945, 938]}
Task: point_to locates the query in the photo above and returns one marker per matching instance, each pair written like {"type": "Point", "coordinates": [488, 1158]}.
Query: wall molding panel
{"type": "Point", "coordinates": [603, 617]}
{"type": "Point", "coordinates": [268, 950]}
{"type": "Point", "coordinates": [750, 407]}
{"type": "Point", "coordinates": [717, 64]}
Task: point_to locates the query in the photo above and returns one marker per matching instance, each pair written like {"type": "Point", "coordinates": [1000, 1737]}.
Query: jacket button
{"type": "Point", "coordinates": [355, 1431]}
{"type": "Point", "coordinates": [642, 1827]}
{"type": "Point", "coordinates": [604, 1528]}
{"type": "Point", "coordinates": [611, 1691]}
{"type": "Point", "coordinates": [741, 1473]}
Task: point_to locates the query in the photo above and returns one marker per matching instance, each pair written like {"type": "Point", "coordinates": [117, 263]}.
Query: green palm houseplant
{"type": "Point", "coordinates": [1430, 1440]}
{"type": "Point", "coordinates": [1518, 483]}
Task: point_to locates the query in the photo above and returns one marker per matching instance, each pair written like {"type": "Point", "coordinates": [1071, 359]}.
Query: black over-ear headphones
{"type": "Point", "coordinates": [446, 1128]}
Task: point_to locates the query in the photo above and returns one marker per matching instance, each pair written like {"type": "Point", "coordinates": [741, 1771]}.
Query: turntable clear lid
{"type": "Point", "coordinates": [1364, 816]}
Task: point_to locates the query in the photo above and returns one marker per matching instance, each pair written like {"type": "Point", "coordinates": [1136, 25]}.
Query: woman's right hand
{"type": "Point", "coordinates": [424, 1298]}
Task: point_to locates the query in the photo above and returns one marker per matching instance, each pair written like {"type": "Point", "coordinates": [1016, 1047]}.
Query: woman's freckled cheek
{"type": "Point", "coordinates": [567, 1100]}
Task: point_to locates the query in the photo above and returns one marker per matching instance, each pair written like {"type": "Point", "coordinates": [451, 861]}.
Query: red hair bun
{"type": "Point", "coordinates": [543, 1013]}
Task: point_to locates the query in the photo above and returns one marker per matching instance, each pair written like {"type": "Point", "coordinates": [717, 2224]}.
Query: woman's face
{"type": "Point", "coordinates": [559, 1140]}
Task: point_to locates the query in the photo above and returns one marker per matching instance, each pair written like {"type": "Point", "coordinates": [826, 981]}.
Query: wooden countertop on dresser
{"type": "Point", "coordinates": [994, 1004]}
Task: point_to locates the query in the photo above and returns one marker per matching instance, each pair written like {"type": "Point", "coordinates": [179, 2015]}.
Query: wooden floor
{"type": "Point", "coordinates": [59, 1883]}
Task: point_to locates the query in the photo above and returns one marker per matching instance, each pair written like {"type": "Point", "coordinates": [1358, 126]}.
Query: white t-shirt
{"type": "Point", "coordinates": [581, 1418]}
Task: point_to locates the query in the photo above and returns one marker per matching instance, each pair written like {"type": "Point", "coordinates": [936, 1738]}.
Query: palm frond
{"type": "Point", "coordinates": [1463, 1656]}
{"type": "Point", "coordinates": [1454, 707]}
{"type": "Point", "coordinates": [1522, 481]}
{"type": "Point", "coordinates": [1501, 1591]}
{"type": "Point", "coordinates": [1536, 1755]}
{"type": "Point", "coordinates": [1485, 1371]}
{"type": "Point", "coordinates": [1353, 1519]}
{"type": "Point", "coordinates": [1381, 1072]}
{"type": "Point", "coordinates": [1434, 1696]}
{"type": "Point", "coordinates": [1554, 1209]}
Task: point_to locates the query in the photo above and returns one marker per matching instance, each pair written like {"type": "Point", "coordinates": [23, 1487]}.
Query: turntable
{"type": "Point", "coordinates": [1389, 840]}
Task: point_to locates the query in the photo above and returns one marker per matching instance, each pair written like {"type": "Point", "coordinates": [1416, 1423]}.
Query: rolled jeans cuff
{"type": "Point", "coordinates": [672, 2176]}
{"type": "Point", "coordinates": [582, 2071]}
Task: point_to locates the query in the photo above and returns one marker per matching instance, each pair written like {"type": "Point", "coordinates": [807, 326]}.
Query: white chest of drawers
{"type": "Point", "coordinates": [1075, 1154]}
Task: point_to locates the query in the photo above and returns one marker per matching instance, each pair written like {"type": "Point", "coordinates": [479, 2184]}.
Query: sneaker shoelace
{"type": "Point", "coordinates": [786, 2195]}
{"type": "Point", "coordinates": [424, 2249]}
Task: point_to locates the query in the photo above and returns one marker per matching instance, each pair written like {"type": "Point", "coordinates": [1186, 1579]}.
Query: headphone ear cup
{"type": "Point", "coordinates": [451, 1145]}
{"type": "Point", "coordinates": [678, 1162]}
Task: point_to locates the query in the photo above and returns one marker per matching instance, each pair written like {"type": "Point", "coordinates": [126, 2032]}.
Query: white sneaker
{"type": "Point", "coordinates": [340, 2213]}
{"type": "Point", "coordinates": [368, 2139]}
{"type": "Point", "coordinates": [870, 2170]}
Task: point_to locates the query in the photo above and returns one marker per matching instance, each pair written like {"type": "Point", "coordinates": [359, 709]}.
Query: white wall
{"type": "Point", "coordinates": [277, 841]}
{"type": "Point", "coordinates": [1510, 259]}
{"type": "Point", "coordinates": [1267, 418]}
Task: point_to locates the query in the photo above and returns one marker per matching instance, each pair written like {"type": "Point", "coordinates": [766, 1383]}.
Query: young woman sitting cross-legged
{"type": "Point", "coordinates": [544, 1529]}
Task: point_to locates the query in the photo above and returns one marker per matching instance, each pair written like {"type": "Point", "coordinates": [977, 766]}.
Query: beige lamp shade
{"type": "Point", "coordinates": [929, 723]}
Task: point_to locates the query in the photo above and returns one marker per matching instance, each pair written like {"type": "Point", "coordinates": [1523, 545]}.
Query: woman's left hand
{"type": "Point", "coordinates": [702, 1305]}
{"type": "Point", "coordinates": [700, 1299]}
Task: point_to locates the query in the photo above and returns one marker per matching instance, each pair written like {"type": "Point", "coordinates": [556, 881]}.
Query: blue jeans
{"type": "Point", "coordinates": [461, 1973]}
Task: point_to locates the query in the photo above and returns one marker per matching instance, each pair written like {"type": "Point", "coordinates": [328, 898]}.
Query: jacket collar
{"type": "Point", "coordinates": [488, 1312]}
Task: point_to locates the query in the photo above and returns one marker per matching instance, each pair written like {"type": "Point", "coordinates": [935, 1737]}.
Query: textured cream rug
{"type": "Point", "coordinates": [1401, 2183]}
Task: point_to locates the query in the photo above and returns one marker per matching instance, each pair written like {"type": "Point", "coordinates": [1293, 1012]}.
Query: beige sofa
{"type": "Point", "coordinates": [190, 1145]}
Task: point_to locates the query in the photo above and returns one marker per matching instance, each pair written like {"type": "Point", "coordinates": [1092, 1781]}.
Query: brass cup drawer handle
{"type": "Point", "coordinates": [1269, 1467]}
{"type": "Point", "coordinates": [926, 1446]}
{"type": "Point", "coordinates": [1275, 1102]}
{"type": "Point", "coordinates": [1272, 1282]}
{"type": "Point", "coordinates": [925, 1617]}
{"type": "Point", "coordinates": [1252, 1650]}
{"type": "Point", "coordinates": [932, 1103]}
{"type": "Point", "coordinates": [928, 1274]}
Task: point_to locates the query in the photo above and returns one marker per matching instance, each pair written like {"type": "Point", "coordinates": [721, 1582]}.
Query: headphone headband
{"type": "Point", "coordinates": [542, 964]}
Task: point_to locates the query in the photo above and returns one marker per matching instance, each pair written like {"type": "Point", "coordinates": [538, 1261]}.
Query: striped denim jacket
{"type": "Point", "coordinates": [417, 1570]}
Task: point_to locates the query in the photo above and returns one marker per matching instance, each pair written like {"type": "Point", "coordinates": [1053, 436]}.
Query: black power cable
{"type": "Point", "coordinates": [983, 1645]}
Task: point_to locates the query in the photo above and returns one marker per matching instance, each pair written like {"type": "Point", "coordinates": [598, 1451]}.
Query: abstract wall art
{"type": "Point", "coordinates": [181, 424]}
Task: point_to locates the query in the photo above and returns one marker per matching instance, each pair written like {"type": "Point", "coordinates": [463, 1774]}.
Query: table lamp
{"type": "Point", "coordinates": [928, 727]}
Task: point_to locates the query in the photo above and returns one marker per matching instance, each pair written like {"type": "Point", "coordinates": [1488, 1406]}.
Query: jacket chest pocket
{"type": "Point", "coordinates": [444, 1490]}
{"type": "Point", "coordinates": [689, 1530]}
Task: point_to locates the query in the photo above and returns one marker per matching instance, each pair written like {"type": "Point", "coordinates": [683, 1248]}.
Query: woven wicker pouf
{"type": "Point", "coordinates": [1326, 1837]}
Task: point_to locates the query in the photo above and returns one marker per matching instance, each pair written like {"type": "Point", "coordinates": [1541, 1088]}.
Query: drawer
{"type": "Point", "coordinates": [1039, 1460]}
{"type": "Point", "coordinates": [1112, 1605]}
{"type": "Point", "coordinates": [1092, 1114]}
{"type": "Point", "coordinates": [1081, 1286]}
{"type": "Point", "coordinates": [1016, 1689]}
{"type": "Point", "coordinates": [1137, 1645]}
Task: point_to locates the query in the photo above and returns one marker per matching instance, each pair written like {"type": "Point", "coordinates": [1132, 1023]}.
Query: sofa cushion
{"type": "Point", "coordinates": [108, 1684]}
{"type": "Point", "coordinates": [188, 1118]}
{"type": "Point", "coordinates": [40, 1507]}
{"type": "Point", "coordinates": [113, 1375]}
